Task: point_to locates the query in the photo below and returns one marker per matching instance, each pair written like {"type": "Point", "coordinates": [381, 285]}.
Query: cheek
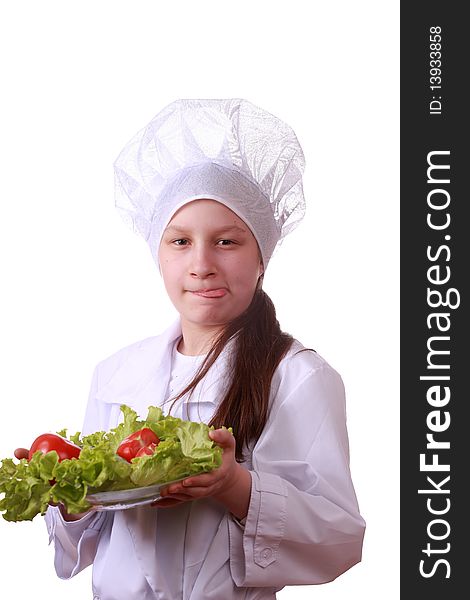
{"type": "Point", "coordinates": [246, 275]}
{"type": "Point", "coordinates": [169, 275]}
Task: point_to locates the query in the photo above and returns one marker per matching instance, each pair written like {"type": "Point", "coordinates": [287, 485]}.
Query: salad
{"type": "Point", "coordinates": [134, 454]}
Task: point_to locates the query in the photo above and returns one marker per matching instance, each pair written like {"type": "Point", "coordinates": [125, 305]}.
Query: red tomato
{"type": "Point", "coordinates": [132, 444]}
{"type": "Point", "coordinates": [146, 450]}
{"type": "Point", "coordinates": [51, 441]}
{"type": "Point", "coordinates": [128, 449]}
{"type": "Point", "coordinates": [146, 436]}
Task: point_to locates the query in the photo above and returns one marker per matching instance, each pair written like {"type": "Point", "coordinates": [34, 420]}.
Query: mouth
{"type": "Point", "coordinates": [210, 293]}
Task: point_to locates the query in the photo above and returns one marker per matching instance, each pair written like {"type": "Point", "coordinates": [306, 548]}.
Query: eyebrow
{"type": "Point", "coordinates": [229, 228]}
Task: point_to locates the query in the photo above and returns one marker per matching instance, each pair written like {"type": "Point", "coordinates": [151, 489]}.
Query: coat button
{"type": "Point", "coordinates": [267, 553]}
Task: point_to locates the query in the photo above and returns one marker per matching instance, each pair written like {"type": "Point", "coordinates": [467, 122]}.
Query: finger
{"type": "Point", "coordinates": [200, 486]}
{"type": "Point", "coordinates": [171, 491]}
{"type": "Point", "coordinates": [21, 453]}
{"type": "Point", "coordinates": [223, 438]}
{"type": "Point", "coordinates": [200, 492]}
{"type": "Point", "coordinates": [203, 480]}
{"type": "Point", "coordinates": [183, 497]}
{"type": "Point", "coordinates": [179, 494]}
{"type": "Point", "coordinates": [186, 486]}
{"type": "Point", "coordinates": [170, 501]}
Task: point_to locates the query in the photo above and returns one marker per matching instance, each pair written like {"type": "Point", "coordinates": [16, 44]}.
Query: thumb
{"type": "Point", "coordinates": [21, 453]}
{"type": "Point", "coordinates": [222, 437]}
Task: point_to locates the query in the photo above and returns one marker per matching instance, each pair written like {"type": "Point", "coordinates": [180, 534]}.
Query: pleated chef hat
{"type": "Point", "coordinates": [225, 150]}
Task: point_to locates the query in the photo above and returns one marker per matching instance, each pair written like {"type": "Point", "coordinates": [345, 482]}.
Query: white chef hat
{"type": "Point", "coordinates": [225, 150]}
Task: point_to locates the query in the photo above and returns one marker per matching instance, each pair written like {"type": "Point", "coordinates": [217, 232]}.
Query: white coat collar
{"type": "Point", "coordinates": [142, 375]}
{"type": "Point", "coordinates": [145, 360]}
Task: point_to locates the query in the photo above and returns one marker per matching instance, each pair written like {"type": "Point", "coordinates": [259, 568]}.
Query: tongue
{"type": "Point", "coordinates": [213, 293]}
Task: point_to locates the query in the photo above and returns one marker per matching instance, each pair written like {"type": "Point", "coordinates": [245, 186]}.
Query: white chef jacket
{"type": "Point", "coordinates": [303, 524]}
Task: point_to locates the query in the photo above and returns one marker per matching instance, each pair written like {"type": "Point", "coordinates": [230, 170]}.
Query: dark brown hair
{"type": "Point", "coordinates": [259, 347]}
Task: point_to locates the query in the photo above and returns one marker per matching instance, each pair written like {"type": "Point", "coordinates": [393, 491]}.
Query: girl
{"type": "Point", "coordinates": [214, 186]}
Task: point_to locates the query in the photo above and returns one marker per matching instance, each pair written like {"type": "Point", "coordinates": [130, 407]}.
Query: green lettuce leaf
{"type": "Point", "coordinates": [26, 486]}
{"type": "Point", "coordinates": [187, 450]}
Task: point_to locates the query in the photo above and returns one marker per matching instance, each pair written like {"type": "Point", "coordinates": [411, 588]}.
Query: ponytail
{"type": "Point", "coordinates": [259, 347]}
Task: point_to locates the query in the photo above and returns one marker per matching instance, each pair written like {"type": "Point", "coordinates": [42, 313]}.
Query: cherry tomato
{"type": "Point", "coordinates": [130, 446]}
{"type": "Point", "coordinates": [51, 441]}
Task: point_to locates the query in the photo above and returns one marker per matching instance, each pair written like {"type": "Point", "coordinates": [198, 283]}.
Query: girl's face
{"type": "Point", "coordinates": [210, 263]}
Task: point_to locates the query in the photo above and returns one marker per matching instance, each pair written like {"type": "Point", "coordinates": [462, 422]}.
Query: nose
{"type": "Point", "coordinates": [202, 262]}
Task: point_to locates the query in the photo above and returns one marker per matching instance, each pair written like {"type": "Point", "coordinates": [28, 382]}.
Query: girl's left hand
{"type": "Point", "coordinates": [230, 483]}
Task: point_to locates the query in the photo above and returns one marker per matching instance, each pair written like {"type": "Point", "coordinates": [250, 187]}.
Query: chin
{"type": "Point", "coordinates": [206, 320]}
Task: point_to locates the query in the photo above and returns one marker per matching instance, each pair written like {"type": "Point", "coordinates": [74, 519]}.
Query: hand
{"type": "Point", "coordinates": [67, 516]}
{"type": "Point", "coordinates": [21, 453]}
{"type": "Point", "coordinates": [230, 484]}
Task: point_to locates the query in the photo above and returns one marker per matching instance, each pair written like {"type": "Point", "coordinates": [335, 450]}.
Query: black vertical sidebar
{"type": "Point", "coordinates": [435, 333]}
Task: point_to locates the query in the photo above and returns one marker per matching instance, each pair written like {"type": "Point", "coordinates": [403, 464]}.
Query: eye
{"type": "Point", "coordinates": [180, 242]}
{"type": "Point", "coordinates": [226, 242]}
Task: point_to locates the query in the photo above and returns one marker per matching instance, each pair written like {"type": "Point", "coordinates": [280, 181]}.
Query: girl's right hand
{"type": "Point", "coordinates": [21, 453]}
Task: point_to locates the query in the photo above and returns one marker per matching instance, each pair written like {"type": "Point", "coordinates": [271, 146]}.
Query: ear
{"type": "Point", "coordinates": [260, 274]}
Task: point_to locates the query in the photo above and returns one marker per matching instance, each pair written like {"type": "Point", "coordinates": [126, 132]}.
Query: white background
{"type": "Point", "coordinates": [78, 80]}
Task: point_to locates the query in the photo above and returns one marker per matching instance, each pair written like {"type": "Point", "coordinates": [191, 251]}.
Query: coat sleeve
{"type": "Point", "coordinates": [75, 542]}
{"type": "Point", "coordinates": [303, 524]}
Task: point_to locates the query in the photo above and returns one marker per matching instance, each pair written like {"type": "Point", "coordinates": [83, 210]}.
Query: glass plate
{"type": "Point", "coordinates": [123, 499]}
